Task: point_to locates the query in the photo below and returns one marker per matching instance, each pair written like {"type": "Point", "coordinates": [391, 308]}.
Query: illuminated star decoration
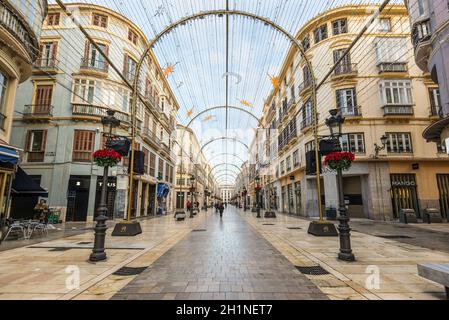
{"type": "Point", "coordinates": [189, 113]}
{"type": "Point", "coordinates": [160, 10]}
{"type": "Point", "coordinates": [209, 118]}
{"type": "Point", "coordinates": [246, 103]}
{"type": "Point", "coordinates": [274, 81]}
{"type": "Point", "coordinates": [169, 69]}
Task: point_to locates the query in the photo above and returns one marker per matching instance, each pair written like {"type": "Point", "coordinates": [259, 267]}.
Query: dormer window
{"type": "Point", "coordinates": [53, 19]}
{"type": "Point", "coordinates": [100, 20]}
{"type": "Point", "coordinates": [340, 26]}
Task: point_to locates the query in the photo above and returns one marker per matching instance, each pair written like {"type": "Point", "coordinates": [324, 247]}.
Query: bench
{"type": "Point", "coordinates": [436, 272]}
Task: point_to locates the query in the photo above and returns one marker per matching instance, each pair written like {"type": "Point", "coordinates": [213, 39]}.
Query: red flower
{"type": "Point", "coordinates": [112, 154]}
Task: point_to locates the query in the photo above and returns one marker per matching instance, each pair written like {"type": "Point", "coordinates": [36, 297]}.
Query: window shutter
{"type": "Point", "coordinates": [86, 52]}
{"type": "Point", "coordinates": [28, 140]}
{"type": "Point", "coordinates": [44, 140]}
{"type": "Point", "coordinates": [54, 53]}
{"type": "Point", "coordinates": [39, 57]}
{"type": "Point", "coordinates": [126, 66]}
{"type": "Point", "coordinates": [106, 52]}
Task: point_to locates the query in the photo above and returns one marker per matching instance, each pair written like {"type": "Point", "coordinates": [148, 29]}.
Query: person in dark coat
{"type": "Point", "coordinates": [221, 209]}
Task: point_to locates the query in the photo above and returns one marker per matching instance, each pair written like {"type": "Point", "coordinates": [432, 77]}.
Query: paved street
{"type": "Point", "coordinates": [228, 260]}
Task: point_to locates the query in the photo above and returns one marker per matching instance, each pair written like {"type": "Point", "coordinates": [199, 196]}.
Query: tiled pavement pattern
{"type": "Point", "coordinates": [228, 261]}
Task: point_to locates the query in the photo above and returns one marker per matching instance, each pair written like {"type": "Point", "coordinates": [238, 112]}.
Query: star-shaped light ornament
{"type": "Point", "coordinates": [274, 81]}
{"type": "Point", "coordinates": [246, 103]}
{"type": "Point", "coordinates": [169, 69]}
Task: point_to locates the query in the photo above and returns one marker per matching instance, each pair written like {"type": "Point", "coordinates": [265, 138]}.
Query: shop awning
{"type": "Point", "coordinates": [8, 155]}
{"type": "Point", "coordinates": [162, 190]}
{"type": "Point", "coordinates": [23, 184]}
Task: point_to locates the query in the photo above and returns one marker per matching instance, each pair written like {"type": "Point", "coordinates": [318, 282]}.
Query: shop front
{"type": "Point", "coordinates": [163, 191]}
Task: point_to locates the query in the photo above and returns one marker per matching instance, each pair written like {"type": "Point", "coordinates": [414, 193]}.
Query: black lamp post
{"type": "Point", "coordinates": [206, 194]}
{"type": "Point", "coordinates": [244, 194]}
{"type": "Point", "coordinates": [192, 189]}
{"type": "Point", "coordinates": [335, 122]}
{"type": "Point", "coordinates": [98, 252]}
{"type": "Point", "coordinates": [258, 188]}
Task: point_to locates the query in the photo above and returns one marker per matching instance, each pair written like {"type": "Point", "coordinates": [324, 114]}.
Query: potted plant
{"type": "Point", "coordinates": [106, 158]}
{"type": "Point", "coordinates": [339, 160]}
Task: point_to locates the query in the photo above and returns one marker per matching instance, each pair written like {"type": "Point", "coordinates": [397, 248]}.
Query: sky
{"type": "Point", "coordinates": [198, 50]}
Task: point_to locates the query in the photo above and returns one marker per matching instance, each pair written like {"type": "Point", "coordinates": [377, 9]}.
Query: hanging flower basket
{"type": "Point", "coordinates": [339, 160]}
{"type": "Point", "coordinates": [106, 158]}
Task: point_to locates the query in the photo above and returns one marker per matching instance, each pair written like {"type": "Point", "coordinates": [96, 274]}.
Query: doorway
{"type": "Point", "coordinates": [78, 198]}
{"type": "Point", "coordinates": [404, 193]}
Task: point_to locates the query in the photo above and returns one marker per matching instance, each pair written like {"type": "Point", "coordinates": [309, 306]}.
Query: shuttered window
{"type": "Point", "coordinates": [152, 164]}
{"type": "Point", "coordinates": [100, 20]}
{"type": "Point", "coordinates": [42, 99]}
{"type": "Point", "coordinates": [83, 145]}
{"type": "Point", "coordinates": [35, 145]}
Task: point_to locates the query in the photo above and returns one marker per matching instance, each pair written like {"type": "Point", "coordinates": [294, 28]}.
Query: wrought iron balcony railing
{"type": "Point", "coordinates": [353, 111]}
{"type": "Point", "coordinates": [46, 64]}
{"type": "Point", "coordinates": [94, 64]}
{"type": "Point", "coordinates": [38, 110]}
{"type": "Point", "coordinates": [345, 69]}
{"type": "Point", "coordinates": [398, 110]}
{"type": "Point", "coordinates": [80, 109]}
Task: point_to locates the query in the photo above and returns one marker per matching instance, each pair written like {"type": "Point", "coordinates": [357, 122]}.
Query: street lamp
{"type": "Point", "coordinates": [192, 189]}
{"type": "Point", "coordinates": [245, 193]}
{"type": "Point", "coordinates": [258, 188]}
{"type": "Point", "coordinates": [98, 252]}
{"type": "Point", "coordinates": [206, 194]}
{"type": "Point", "coordinates": [335, 122]}
{"type": "Point", "coordinates": [377, 148]}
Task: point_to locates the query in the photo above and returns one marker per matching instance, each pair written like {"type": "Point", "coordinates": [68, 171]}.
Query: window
{"type": "Point", "coordinates": [170, 175]}
{"type": "Point", "coordinates": [53, 19]}
{"type": "Point", "coordinates": [320, 33]}
{"type": "Point", "coordinates": [310, 146]}
{"type": "Point", "coordinates": [146, 154]}
{"type": "Point", "coordinates": [84, 91]}
{"type": "Point", "coordinates": [396, 92]}
{"type": "Point", "coordinates": [340, 26]}
{"type": "Point", "coordinates": [347, 102]}
{"type": "Point", "coordinates": [435, 102]}
{"type": "Point", "coordinates": [152, 164]}
{"type": "Point", "coordinates": [399, 143]}
{"type": "Point", "coordinates": [306, 43]}
{"type": "Point", "coordinates": [130, 66]}
{"type": "Point", "coordinates": [160, 169]}
{"type": "Point", "coordinates": [167, 172]}
{"type": "Point", "coordinates": [83, 145]}
{"type": "Point", "coordinates": [132, 36]}
{"type": "Point", "coordinates": [353, 142]}
{"type": "Point", "coordinates": [93, 59]}
{"type": "Point", "coordinates": [391, 50]}
{"type": "Point", "coordinates": [385, 24]}
{"type": "Point", "coordinates": [441, 148]}
{"type": "Point", "coordinates": [42, 100]}
{"type": "Point", "coordinates": [288, 161]}
{"type": "Point", "coordinates": [345, 65]}
{"type": "Point", "coordinates": [307, 115]}
{"type": "Point", "coordinates": [296, 159]}
{"type": "Point", "coordinates": [282, 167]}
{"type": "Point", "coordinates": [307, 78]}
{"type": "Point", "coordinates": [100, 20]}
{"type": "Point", "coordinates": [35, 145]}
{"type": "Point", "coordinates": [3, 88]}
{"type": "Point", "coordinates": [47, 55]}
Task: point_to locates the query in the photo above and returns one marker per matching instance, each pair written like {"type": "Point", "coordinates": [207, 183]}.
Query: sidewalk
{"type": "Point", "coordinates": [40, 271]}
{"type": "Point", "coordinates": [394, 261]}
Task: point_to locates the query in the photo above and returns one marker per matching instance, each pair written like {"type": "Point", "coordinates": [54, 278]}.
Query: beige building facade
{"type": "Point", "coordinates": [382, 93]}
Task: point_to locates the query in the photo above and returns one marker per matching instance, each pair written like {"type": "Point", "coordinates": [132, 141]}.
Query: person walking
{"type": "Point", "coordinates": [221, 208]}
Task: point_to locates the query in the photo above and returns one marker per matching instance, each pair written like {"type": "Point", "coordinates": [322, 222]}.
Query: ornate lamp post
{"type": "Point", "coordinates": [244, 194]}
{"type": "Point", "coordinates": [206, 194]}
{"type": "Point", "coordinates": [258, 188]}
{"type": "Point", "coordinates": [192, 190]}
{"type": "Point", "coordinates": [98, 253]}
{"type": "Point", "coordinates": [377, 148]}
{"type": "Point", "coordinates": [335, 122]}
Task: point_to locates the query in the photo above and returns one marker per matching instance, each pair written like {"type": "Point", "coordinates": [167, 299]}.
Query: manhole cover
{"type": "Point", "coordinates": [312, 271]}
{"type": "Point", "coordinates": [129, 271]}
{"type": "Point", "coordinates": [294, 228]}
{"type": "Point", "coordinates": [395, 237]}
{"type": "Point", "coordinates": [199, 230]}
{"type": "Point", "coordinates": [59, 249]}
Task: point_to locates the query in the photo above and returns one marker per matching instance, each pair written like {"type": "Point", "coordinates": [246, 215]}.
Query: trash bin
{"type": "Point", "coordinates": [432, 215]}
{"type": "Point", "coordinates": [407, 216]}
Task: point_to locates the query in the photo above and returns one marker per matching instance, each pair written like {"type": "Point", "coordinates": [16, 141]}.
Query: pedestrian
{"type": "Point", "coordinates": [189, 205]}
{"type": "Point", "coordinates": [221, 208]}
{"type": "Point", "coordinates": [216, 207]}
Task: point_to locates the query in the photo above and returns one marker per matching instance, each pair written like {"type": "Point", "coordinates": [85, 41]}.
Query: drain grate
{"type": "Point", "coordinates": [268, 224]}
{"type": "Point", "coordinates": [395, 237]}
{"type": "Point", "coordinates": [312, 271]}
{"type": "Point", "coordinates": [294, 228]}
{"type": "Point", "coordinates": [59, 249]}
{"type": "Point", "coordinates": [84, 243]}
{"type": "Point", "coordinates": [199, 230]}
{"type": "Point", "coordinates": [129, 271]}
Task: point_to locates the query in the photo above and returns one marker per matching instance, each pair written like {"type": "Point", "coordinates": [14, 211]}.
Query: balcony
{"type": "Point", "coordinates": [436, 112]}
{"type": "Point", "coordinates": [345, 70]}
{"type": "Point", "coordinates": [398, 110]}
{"type": "Point", "coordinates": [36, 156]}
{"type": "Point", "coordinates": [306, 123]}
{"type": "Point", "coordinates": [153, 103]}
{"type": "Point", "coordinates": [38, 112]}
{"type": "Point", "coordinates": [421, 35]}
{"type": "Point", "coordinates": [392, 67]}
{"type": "Point", "coordinates": [95, 65]}
{"type": "Point", "coordinates": [150, 137]}
{"type": "Point", "coordinates": [46, 65]}
{"type": "Point", "coordinates": [349, 112]}
{"type": "Point", "coordinates": [87, 111]}
{"type": "Point", "coordinates": [305, 86]}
